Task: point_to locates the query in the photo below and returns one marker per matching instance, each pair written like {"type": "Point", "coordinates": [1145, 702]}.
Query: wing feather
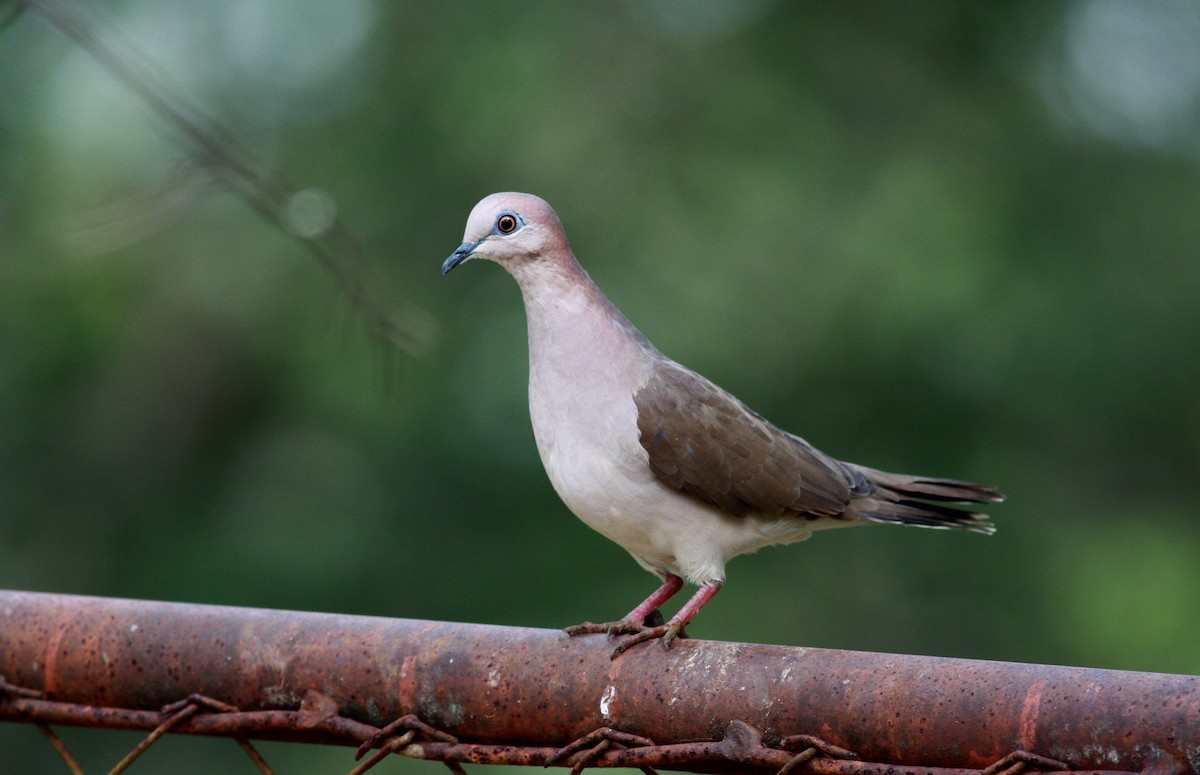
{"type": "Point", "coordinates": [703, 441]}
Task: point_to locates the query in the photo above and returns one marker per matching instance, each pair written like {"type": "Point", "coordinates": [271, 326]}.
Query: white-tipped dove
{"type": "Point", "coordinates": [657, 458]}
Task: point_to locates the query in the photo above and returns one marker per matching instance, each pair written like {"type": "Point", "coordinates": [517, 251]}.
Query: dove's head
{"type": "Point", "coordinates": [510, 229]}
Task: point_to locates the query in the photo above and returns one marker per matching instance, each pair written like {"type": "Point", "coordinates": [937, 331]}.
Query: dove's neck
{"type": "Point", "coordinates": [571, 321]}
{"type": "Point", "coordinates": [586, 361]}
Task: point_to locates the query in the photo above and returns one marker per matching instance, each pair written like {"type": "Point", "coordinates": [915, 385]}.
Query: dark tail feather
{"type": "Point", "coordinates": [906, 500]}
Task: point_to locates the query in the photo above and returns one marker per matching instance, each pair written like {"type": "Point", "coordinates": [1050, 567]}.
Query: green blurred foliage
{"type": "Point", "coordinates": [953, 239]}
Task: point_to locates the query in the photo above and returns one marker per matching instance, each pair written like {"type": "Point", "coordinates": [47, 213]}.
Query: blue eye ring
{"type": "Point", "coordinates": [507, 222]}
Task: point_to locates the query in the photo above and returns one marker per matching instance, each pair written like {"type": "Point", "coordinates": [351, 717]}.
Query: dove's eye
{"type": "Point", "coordinates": [507, 223]}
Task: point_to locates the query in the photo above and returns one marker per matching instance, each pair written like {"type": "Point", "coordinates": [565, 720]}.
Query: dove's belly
{"type": "Point", "coordinates": [604, 478]}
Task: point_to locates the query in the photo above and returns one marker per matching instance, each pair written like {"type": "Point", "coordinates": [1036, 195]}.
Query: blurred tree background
{"type": "Point", "coordinates": [944, 238]}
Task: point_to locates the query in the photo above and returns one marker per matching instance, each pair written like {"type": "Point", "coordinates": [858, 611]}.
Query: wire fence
{"type": "Point", "coordinates": [462, 693]}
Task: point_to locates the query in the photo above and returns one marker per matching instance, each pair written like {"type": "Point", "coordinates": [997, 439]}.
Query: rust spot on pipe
{"type": "Point", "coordinates": [406, 686]}
{"type": "Point", "coordinates": [1029, 714]}
{"type": "Point", "coordinates": [50, 659]}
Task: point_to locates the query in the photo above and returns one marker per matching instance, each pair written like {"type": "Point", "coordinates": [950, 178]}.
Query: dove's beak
{"type": "Point", "coordinates": [465, 251]}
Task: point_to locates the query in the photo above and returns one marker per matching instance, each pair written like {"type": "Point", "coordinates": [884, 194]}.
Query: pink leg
{"type": "Point", "coordinates": [697, 601]}
{"type": "Point", "coordinates": [671, 584]}
{"type": "Point", "coordinates": [634, 621]}
{"type": "Point", "coordinates": [672, 629]}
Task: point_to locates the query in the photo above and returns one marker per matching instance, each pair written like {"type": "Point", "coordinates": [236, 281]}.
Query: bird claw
{"type": "Point", "coordinates": [639, 632]}
{"type": "Point", "coordinates": [619, 627]}
{"type": "Point", "coordinates": [596, 743]}
{"type": "Point", "coordinates": [624, 626]}
{"type": "Point", "coordinates": [665, 633]}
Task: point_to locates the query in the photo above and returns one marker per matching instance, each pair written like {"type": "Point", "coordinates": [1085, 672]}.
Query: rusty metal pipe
{"type": "Point", "coordinates": [537, 688]}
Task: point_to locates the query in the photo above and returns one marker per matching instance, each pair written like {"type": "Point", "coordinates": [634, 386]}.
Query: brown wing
{"type": "Point", "coordinates": [705, 442]}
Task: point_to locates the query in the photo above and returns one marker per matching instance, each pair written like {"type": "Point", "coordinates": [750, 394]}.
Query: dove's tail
{"type": "Point", "coordinates": [925, 501]}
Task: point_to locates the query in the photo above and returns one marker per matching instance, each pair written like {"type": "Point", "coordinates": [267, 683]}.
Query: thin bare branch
{"type": "Point", "coordinates": [213, 147]}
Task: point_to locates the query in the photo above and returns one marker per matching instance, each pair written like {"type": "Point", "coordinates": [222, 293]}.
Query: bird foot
{"type": "Point", "coordinates": [596, 743]}
{"type": "Point", "coordinates": [619, 627]}
{"type": "Point", "coordinates": [664, 633]}
{"type": "Point", "coordinates": [650, 629]}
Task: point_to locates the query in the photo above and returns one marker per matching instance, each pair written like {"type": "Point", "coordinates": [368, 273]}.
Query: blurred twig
{"type": "Point", "coordinates": [134, 217]}
{"type": "Point", "coordinates": [10, 16]}
{"type": "Point", "coordinates": [305, 214]}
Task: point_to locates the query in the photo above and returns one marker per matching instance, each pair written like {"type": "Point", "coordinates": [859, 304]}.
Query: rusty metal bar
{"type": "Point", "coordinates": [524, 693]}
